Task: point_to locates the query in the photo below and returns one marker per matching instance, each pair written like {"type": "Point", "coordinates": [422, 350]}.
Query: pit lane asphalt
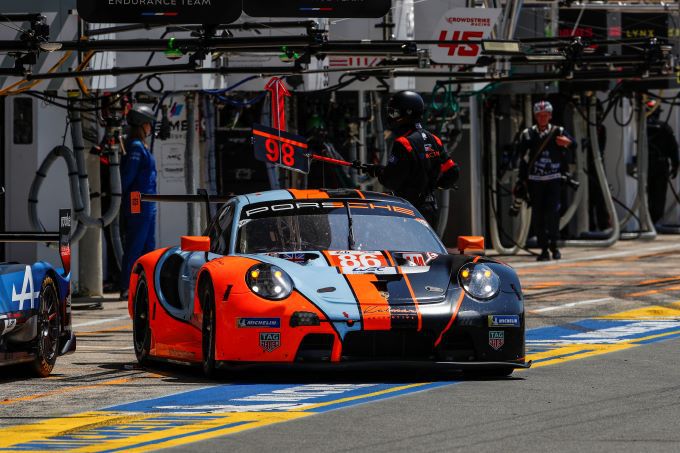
{"type": "Point", "coordinates": [626, 400]}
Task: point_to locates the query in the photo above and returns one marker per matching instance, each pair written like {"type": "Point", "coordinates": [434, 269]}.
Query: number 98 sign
{"type": "Point", "coordinates": [280, 148]}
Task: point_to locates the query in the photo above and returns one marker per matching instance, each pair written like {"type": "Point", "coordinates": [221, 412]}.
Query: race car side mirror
{"type": "Point", "coordinates": [470, 243]}
{"type": "Point", "coordinates": [195, 244]}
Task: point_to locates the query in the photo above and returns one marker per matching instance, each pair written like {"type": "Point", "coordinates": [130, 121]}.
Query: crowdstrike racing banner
{"type": "Point", "coordinates": [462, 24]}
{"type": "Point", "coordinates": [161, 11]}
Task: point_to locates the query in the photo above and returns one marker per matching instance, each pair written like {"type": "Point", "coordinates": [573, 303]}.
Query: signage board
{"type": "Point", "coordinates": [160, 11]}
{"type": "Point", "coordinates": [462, 24]}
{"type": "Point", "coordinates": [280, 148]}
{"type": "Point", "coordinates": [317, 8]}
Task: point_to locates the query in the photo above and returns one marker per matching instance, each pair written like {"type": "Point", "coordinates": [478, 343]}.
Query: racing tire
{"type": "Point", "coordinates": [208, 329]}
{"type": "Point", "coordinates": [141, 331]}
{"type": "Point", "coordinates": [47, 341]}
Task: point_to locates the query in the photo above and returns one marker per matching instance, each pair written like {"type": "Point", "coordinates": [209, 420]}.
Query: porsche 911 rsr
{"type": "Point", "coordinates": [333, 277]}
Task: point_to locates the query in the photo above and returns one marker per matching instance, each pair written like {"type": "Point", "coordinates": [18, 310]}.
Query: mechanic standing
{"type": "Point", "coordinates": [138, 174]}
{"type": "Point", "coordinates": [663, 150]}
{"type": "Point", "coordinates": [418, 164]}
{"type": "Point", "coordinates": [542, 150]}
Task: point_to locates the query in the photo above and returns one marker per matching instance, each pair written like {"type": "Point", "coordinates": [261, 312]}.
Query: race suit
{"type": "Point", "coordinates": [138, 173]}
{"type": "Point", "coordinates": [417, 166]}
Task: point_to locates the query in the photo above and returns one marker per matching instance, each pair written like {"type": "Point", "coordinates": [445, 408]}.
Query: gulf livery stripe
{"type": "Point", "coordinates": [453, 317]}
{"type": "Point", "coordinates": [456, 308]}
{"type": "Point", "coordinates": [374, 308]}
{"type": "Point", "coordinates": [356, 298]}
{"type": "Point", "coordinates": [307, 194]}
{"type": "Point", "coordinates": [415, 300]}
{"type": "Point", "coordinates": [361, 195]}
{"type": "Point", "coordinates": [404, 312]}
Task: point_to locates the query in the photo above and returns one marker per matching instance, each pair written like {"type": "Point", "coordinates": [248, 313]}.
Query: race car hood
{"type": "Point", "coordinates": [343, 277]}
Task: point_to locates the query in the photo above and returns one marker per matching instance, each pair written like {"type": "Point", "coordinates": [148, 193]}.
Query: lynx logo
{"type": "Point", "coordinates": [27, 290]}
{"type": "Point", "coordinates": [496, 339]}
{"type": "Point", "coordinates": [270, 341]}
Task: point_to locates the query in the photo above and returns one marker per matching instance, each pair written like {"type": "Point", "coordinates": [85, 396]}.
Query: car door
{"type": "Point", "coordinates": [219, 232]}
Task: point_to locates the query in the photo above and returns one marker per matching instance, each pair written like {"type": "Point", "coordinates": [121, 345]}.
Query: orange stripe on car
{"type": "Point", "coordinates": [415, 300]}
{"type": "Point", "coordinates": [375, 310]}
{"type": "Point", "coordinates": [453, 317]}
{"type": "Point", "coordinates": [307, 194]}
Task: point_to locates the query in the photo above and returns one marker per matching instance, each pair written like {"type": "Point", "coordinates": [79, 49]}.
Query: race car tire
{"type": "Point", "coordinates": [141, 331]}
{"type": "Point", "coordinates": [208, 329]}
{"type": "Point", "coordinates": [47, 341]}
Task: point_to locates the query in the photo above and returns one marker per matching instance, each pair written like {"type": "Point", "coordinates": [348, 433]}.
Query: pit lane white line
{"type": "Point", "coordinates": [570, 305]}
{"type": "Point", "coordinates": [99, 321]}
{"type": "Point", "coordinates": [598, 257]}
{"type": "Point", "coordinates": [103, 348]}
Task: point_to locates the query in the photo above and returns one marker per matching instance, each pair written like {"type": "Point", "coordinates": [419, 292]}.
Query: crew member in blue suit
{"type": "Point", "coordinates": [138, 174]}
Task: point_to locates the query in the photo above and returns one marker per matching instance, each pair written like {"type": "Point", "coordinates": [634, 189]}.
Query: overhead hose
{"type": "Point", "coordinates": [116, 185]}
{"type": "Point", "coordinates": [79, 183]}
{"type": "Point", "coordinates": [40, 175]}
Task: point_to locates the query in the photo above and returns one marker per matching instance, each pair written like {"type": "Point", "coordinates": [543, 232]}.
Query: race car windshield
{"type": "Point", "coordinates": [328, 229]}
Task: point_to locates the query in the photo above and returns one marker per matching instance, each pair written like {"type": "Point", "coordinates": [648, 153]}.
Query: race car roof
{"type": "Point", "coordinates": [295, 194]}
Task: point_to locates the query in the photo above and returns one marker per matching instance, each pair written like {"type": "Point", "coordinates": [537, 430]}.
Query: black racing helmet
{"type": "Point", "coordinates": [405, 107]}
{"type": "Point", "coordinates": [140, 114]}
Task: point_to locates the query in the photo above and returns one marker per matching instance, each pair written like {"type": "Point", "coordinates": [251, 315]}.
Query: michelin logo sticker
{"type": "Point", "coordinates": [271, 323]}
{"type": "Point", "coordinates": [503, 320]}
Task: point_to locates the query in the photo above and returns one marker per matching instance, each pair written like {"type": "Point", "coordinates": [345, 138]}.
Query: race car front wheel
{"type": "Point", "coordinates": [47, 342]}
{"type": "Point", "coordinates": [208, 305]}
{"type": "Point", "coordinates": [141, 332]}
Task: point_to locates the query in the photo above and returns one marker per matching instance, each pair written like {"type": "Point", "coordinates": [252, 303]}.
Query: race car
{"type": "Point", "coordinates": [35, 305]}
{"type": "Point", "coordinates": [324, 276]}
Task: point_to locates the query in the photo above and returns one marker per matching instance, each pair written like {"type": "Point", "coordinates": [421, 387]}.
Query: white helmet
{"type": "Point", "coordinates": [543, 106]}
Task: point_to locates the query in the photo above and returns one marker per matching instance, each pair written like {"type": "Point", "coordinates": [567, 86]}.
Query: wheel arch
{"type": "Point", "coordinates": [204, 278]}
{"type": "Point", "coordinates": [146, 264]}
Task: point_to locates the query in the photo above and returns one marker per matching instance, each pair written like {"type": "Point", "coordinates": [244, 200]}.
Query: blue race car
{"type": "Point", "coordinates": [35, 305]}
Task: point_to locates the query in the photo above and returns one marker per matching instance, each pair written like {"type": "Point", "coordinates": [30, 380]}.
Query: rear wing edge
{"type": "Point", "coordinates": [62, 237]}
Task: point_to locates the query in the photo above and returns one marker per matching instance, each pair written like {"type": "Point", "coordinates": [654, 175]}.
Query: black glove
{"type": "Point", "coordinates": [372, 170]}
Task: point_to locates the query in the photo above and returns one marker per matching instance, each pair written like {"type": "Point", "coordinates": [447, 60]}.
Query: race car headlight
{"type": "Point", "coordinates": [269, 281]}
{"type": "Point", "coordinates": [479, 281]}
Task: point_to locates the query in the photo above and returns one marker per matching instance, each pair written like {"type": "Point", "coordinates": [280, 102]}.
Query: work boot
{"type": "Point", "coordinates": [556, 254]}
{"type": "Point", "coordinates": [544, 256]}
{"type": "Point", "coordinates": [124, 294]}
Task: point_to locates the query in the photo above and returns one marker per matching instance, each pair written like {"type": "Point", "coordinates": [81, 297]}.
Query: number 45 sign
{"type": "Point", "coordinates": [462, 24]}
{"type": "Point", "coordinates": [280, 148]}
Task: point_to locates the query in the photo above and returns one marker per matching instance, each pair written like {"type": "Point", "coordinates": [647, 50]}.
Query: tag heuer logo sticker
{"type": "Point", "coordinates": [270, 341]}
{"type": "Point", "coordinates": [496, 339]}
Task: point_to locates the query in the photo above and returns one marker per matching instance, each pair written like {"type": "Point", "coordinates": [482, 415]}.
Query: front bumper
{"type": "Point", "coordinates": [268, 332]}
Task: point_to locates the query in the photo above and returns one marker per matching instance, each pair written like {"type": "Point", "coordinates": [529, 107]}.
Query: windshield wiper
{"type": "Point", "coordinates": [350, 223]}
